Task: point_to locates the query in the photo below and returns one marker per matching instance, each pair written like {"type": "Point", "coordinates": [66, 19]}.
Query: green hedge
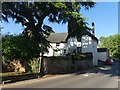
{"type": "Point", "coordinates": [82, 56]}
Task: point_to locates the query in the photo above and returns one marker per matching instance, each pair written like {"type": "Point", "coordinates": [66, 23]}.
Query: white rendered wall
{"type": "Point", "coordinates": [71, 44]}
{"type": "Point", "coordinates": [51, 52]}
{"type": "Point", "coordinates": [89, 45]}
{"type": "Point", "coordinates": [102, 56]}
{"type": "Point", "coordinates": [95, 54]}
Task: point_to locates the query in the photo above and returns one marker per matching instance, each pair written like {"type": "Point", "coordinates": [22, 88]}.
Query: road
{"type": "Point", "coordinates": [100, 77]}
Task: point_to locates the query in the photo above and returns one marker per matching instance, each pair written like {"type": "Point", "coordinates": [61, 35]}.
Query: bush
{"type": "Point", "coordinates": [19, 47]}
{"type": "Point", "coordinates": [34, 64]}
{"type": "Point", "coordinates": [82, 56]}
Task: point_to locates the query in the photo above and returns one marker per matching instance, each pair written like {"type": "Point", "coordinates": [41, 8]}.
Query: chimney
{"type": "Point", "coordinates": [93, 28]}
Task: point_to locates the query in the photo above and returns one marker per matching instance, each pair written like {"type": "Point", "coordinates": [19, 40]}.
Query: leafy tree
{"type": "Point", "coordinates": [102, 42]}
{"type": "Point", "coordinates": [32, 14]}
{"type": "Point", "coordinates": [78, 28]}
{"type": "Point", "coordinates": [78, 25]}
{"type": "Point", "coordinates": [112, 43]}
{"type": "Point", "coordinates": [19, 47]}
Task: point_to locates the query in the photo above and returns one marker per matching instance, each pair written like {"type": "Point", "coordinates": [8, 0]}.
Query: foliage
{"type": "Point", "coordinates": [0, 43]}
{"type": "Point", "coordinates": [32, 14]}
{"type": "Point", "coordinates": [19, 47]}
{"type": "Point", "coordinates": [112, 43]}
{"type": "Point", "coordinates": [34, 64]}
{"type": "Point", "coordinates": [81, 56]}
{"type": "Point", "coordinates": [78, 28]}
{"type": "Point", "coordinates": [78, 25]}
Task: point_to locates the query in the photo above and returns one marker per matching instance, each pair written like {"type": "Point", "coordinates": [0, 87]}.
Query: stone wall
{"type": "Point", "coordinates": [56, 65]}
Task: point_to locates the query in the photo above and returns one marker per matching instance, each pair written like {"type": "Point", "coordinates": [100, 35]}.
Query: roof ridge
{"type": "Point", "coordinates": [60, 32]}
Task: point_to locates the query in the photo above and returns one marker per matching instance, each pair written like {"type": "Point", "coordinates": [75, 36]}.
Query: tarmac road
{"type": "Point", "coordinates": [100, 77]}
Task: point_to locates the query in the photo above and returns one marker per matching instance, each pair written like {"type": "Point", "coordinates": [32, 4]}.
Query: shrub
{"type": "Point", "coordinates": [82, 56]}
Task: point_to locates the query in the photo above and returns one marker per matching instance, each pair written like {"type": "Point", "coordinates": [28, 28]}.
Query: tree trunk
{"type": "Point", "coordinates": [39, 38]}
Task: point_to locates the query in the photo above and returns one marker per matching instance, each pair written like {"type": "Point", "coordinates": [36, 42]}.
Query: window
{"type": "Point", "coordinates": [64, 51]}
{"type": "Point", "coordinates": [57, 44]}
{"type": "Point", "coordinates": [79, 49]}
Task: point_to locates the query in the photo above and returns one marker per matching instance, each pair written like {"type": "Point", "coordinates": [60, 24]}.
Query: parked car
{"type": "Point", "coordinates": [109, 62]}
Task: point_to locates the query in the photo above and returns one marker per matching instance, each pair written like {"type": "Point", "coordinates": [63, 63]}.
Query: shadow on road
{"type": "Point", "coordinates": [112, 70]}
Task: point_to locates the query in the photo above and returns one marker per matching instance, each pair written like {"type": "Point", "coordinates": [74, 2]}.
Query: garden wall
{"type": "Point", "coordinates": [54, 65]}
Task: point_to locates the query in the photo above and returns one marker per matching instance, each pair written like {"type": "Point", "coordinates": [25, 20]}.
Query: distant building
{"type": "Point", "coordinates": [103, 54]}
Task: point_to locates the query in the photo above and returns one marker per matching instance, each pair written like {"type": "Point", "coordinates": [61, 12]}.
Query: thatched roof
{"type": "Point", "coordinates": [62, 37]}
{"type": "Point", "coordinates": [57, 37]}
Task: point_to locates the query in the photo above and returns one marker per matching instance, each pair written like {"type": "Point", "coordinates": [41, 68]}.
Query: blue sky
{"type": "Point", "coordinates": [104, 15]}
{"type": "Point", "coordinates": [119, 17]}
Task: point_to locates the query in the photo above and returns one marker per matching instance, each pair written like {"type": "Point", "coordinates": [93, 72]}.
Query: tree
{"type": "Point", "coordinates": [102, 42]}
{"type": "Point", "coordinates": [13, 47]}
{"type": "Point", "coordinates": [112, 43]}
{"type": "Point", "coordinates": [77, 25]}
{"type": "Point", "coordinates": [32, 14]}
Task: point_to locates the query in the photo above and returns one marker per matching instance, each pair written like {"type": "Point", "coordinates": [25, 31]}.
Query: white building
{"type": "Point", "coordinates": [103, 54]}
{"type": "Point", "coordinates": [62, 45]}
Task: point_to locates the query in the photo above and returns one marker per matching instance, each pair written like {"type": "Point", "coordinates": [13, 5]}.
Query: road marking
{"type": "Point", "coordinates": [85, 75]}
{"type": "Point", "coordinates": [105, 68]}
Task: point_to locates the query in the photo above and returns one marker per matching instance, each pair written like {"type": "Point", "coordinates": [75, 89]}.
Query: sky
{"type": "Point", "coordinates": [104, 15]}
{"type": "Point", "coordinates": [119, 17]}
